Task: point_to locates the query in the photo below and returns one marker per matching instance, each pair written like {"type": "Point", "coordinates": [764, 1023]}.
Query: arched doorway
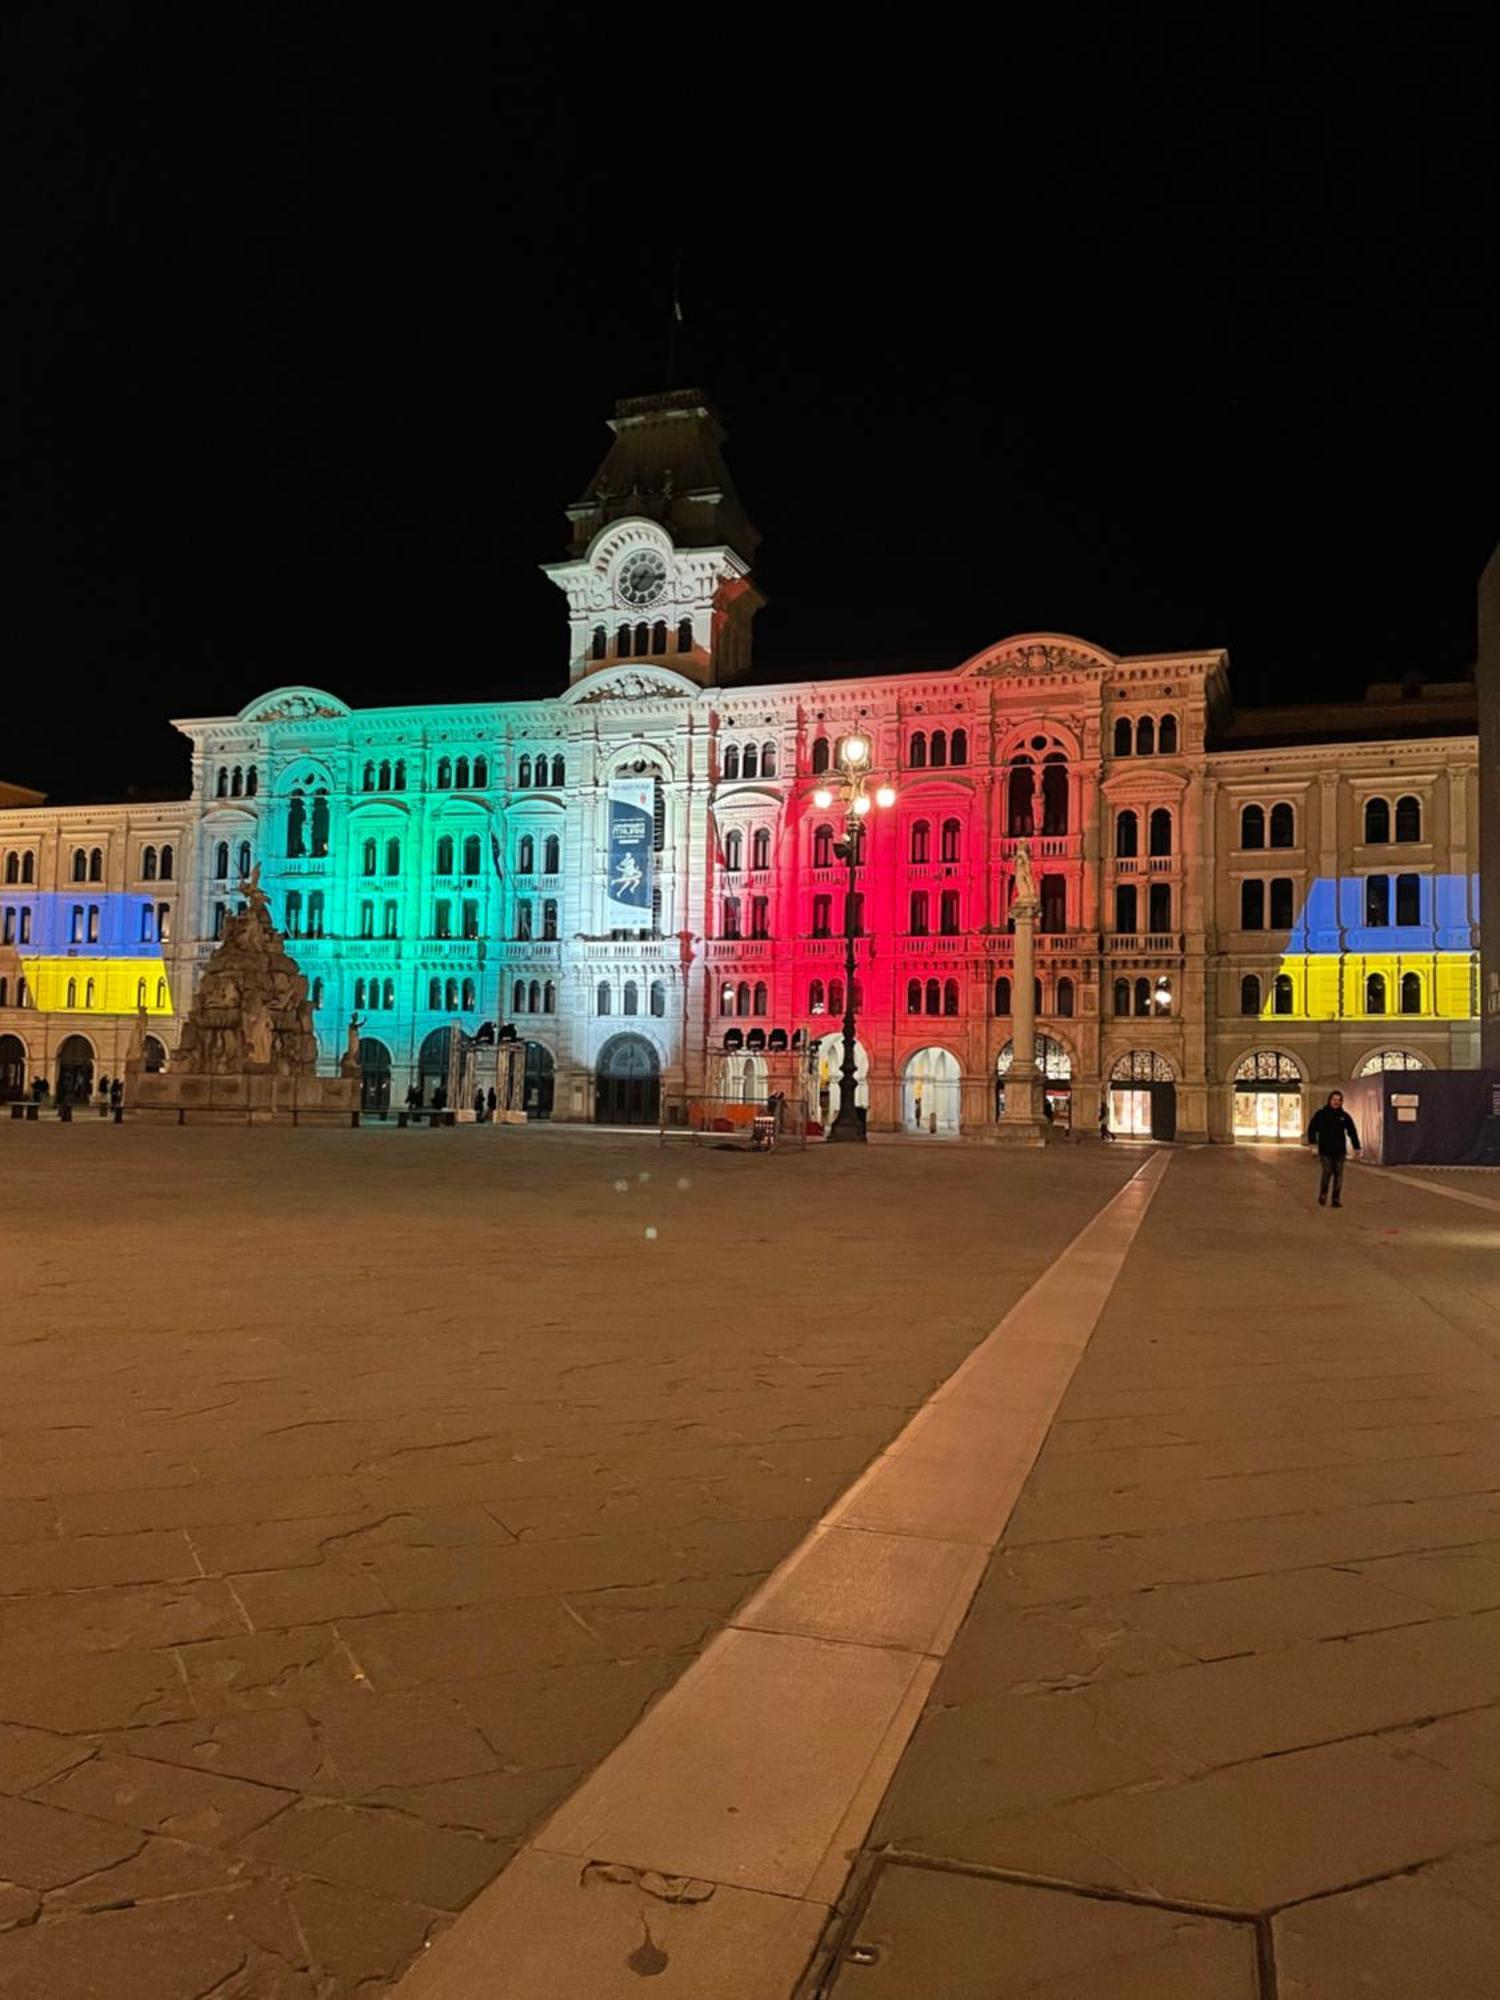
{"type": "Point", "coordinates": [826, 1066]}
{"type": "Point", "coordinates": [930, 1093]}
{"type": "Point", "coordinates": [540, 1081]}
{"type": "Point", "coordinates": [1143, 1096]}
{"type": "Point", "coordinates": [627, 1082]}
{"type": "Point", "coordinates": [742, 1079]}
{"type": "Point", "coordinates": [1267, 1097]}
{"type": "Point", "coordinates": [1381, 1060]}
{"type": "Point", "coordinates": [12, 1068]}
{"type": "Point", "coordinates": [374, 1075]}
{"type": "Point", "coordinates": [432, 1061]}
{"type": "Point", "coordinates": [153, 1056]}
{"type": "Point", "coordinates": [1054, 1065]}
{"type": "Point", "coordinates": [75, 1070]}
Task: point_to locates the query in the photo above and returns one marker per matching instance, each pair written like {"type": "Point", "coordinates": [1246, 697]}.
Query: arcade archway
{"type": "Point", "coordinates": [826, 1066]}
{"type": "Point", "coordinates": [374, 1075]}
{"type": "Point", "coordinates": [539, 1082]}
{"type": "Point", "coordinates": [75, 1070]}
{"type": "Point", "coordinates": [627, 1082]}
{"type": "Point", "coordinates": [1267, 1097]}
{"type": "Point", "coordinates": [931, 1093]}
{"type": "Point", "coordinates": [12, 1068]}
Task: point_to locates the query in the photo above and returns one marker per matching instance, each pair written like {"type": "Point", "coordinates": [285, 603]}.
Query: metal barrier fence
{"type": "Point", "coordinates": [730, 1121]}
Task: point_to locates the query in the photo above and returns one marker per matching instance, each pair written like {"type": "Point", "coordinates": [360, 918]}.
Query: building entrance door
{"type": "Point", "coordinates": [12, 1068]}
{"type": "Point", "coordinates": [540, 1081]}
{"type": "Point", "coordinates": [627, 1083]}
{"type": "Point", "coordinates": [374, 1076]}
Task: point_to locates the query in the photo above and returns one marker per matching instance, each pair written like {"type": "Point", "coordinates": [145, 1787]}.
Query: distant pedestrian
{"type": "Point", "coordinates": [1332, 1132]}
{"type": "Point", "coordinates": [479, 1107]}
{"type": "Point", "coordinates": [440, 1097]}
{"type": "Point", "coordinates": [1047, 1112]}
{"type": "Point", "coordinates": [414, 1097]}
{"type": "Point", "coordinates": [1104, 1131]}
{"type": "Point", "coordinates": [116, 1094]}
{"type": "Point", "coordinates": [491, 1102]}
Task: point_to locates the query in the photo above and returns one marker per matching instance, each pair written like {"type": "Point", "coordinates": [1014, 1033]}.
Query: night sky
{"type": "Point", "coordinates": [1181, 331]}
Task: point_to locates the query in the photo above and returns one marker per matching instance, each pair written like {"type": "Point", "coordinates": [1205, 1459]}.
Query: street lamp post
{"type": "Point", "coordinates": [856, 800]}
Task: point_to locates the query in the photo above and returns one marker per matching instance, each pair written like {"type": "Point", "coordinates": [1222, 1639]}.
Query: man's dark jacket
{"type": "Point", "coordinates": [1332, 1132]}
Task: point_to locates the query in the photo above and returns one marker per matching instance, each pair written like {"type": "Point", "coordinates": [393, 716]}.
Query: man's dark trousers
{"type": "Point", "coordinates": [1333, 1170]}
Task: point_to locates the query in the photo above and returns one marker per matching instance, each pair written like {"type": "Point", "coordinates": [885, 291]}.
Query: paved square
{"type": "Point", "coordinates": [359, 1491]}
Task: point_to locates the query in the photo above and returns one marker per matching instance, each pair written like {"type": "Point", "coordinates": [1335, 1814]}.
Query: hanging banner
{"type": "Point", "coordinates": [632, 803]}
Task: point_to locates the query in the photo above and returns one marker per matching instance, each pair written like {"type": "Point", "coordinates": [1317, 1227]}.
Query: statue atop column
{"type": "Point", "coordinates": [1025, 880]}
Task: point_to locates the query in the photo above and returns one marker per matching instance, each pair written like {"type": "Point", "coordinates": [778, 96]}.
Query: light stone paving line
{"type": "Point", "coordinates": [708, 1850]}
{"type": "Point", "coordinates": [1436, 1187]}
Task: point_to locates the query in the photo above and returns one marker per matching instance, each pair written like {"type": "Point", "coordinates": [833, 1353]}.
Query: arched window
{"type": "Point", "coordinates": [952, 838]}
{"type": "Point", "coordinates": [559, 771]}
{"type": "Point", "coordinates": [916, 754]}
{"type": "Point", "coordinates": [913, 996]}
{"type": "Point", "coordinates": [733, 851]}
{"type": "Point", "coordinates": [760, 847]}
{"type": "Point", "coordinates": [948, 913]}
{"type": "Point", "coordinates": [1408, 899]}
{"type": "Point", "coordinates": [1283, 825]}
{"type": "Point", "coordinates": [817, 999]}
{"type": "Point", "coordinates": [445, 855]}
{"type": "Point", "coordinates": [434, 995]}
{"type": "Point", "coordinates": [1252, 826]}
{"type": "Point", "coordinates": [599, 646]}
{"type": "Point", "coordinates": [1408, 818]}
{"type": "Point", "coordinates": [759, 999]}
{"type": "Point", "coordinates": [835, 996]}
{"type": "Point", "coordinates": [1002, 997]}
{"type": "Point", "coordinates": [1411, 993]}
{"type": "Point", "coordinates": [221, 788]}
{"type": "Point", "coordinates": [1159, 833]}
{"type": "Point", "coordinates": [950, 996]}
{"type": "Point", "coordinates": [1055, 794]}
{"type": "Point", "coordinates": [445, 773]}
{"type": "Point", "coordinates": [1282, 995]}
{"type": "Point", "coordinates": [726, 1000]}
{"type": "Point", "coordinates": [320, 823]}
{"type": "Point", "coordinates": [1127, 834]}
{"type": "Point", "coordinates": [518, 997]}
{"type": "Point", "coordinates": [466, 998]}
{"type": "Point", "coordinates": [731, 924]}
{"type": "Point", "coordinates": [920, 921]}
{"type": "Point", "coordinates": [523, 773]}
{"type": "Point", "coordinates": [400, 774]}
{"type": "Point", "coordinates": [684, 635]}
{"type": "Point", "coordinates": [1020, 795]}
{"type": "Point", "coordinates": [393, 857]}
{"type": "Point", "coordinates": [732, 761]}
{"type": "Point", "coordinates": [768, 760]}
{"type": "Point", "coordinates": [161, 994]}
{"type": "Point", "coordinates": [168, 859]}
{"type": "Point", "coordinates": [1145, 737]}
{"type": "Point", "coordinates": [526, 855]}
{"type": "Point", "coordinates": [450, 996]}
{"type": "Point", "coordinates": [623, 638]}
{"type": "Point", "coordinates": [1377, 822]}
{"type": "Point", "coordinates": [359, 995]}
{"type": "Point", "coordinates": [549, 998]}
{"type": "Point", "coordinates": [461, 774]}
{"type": "Point", "coordinates": [236, 782]}
{"type": "Point", "coordinates": [921, 840]}
{"type": "Point", "coordinates": [1283, 903]}
{"type": "Point", "coordinates": [933, 997]}
{"type": "Point", "coordinates": [80, 865]}
{"type": "Point", "coordinates": [243, 858]}
{"type": "Point", "coordinates": [820, 753]}
{"type": "Point", "coordinates": [13, 865]}
{"type": "Point", "coordinates": [938, 754]}
{"type": "Point", "coordinates": [221, 861]}
{"type": "Point", "coordinates": [1122, 996]}
{"type": "Point", "coordinates": [72, 999]}
{"type": "Point", "coordinates": [1252, 906]}
{"type": "Point", "coordinates": [140, 993]}
{"type": "Point", "coordinates": [958, 748]}
{"type": "Point", "coordinates": [1167, 736]}
{"type": "Point", "coordinates": [823, 847]}
{"type": "Point", "coordinates": [385, 774]}
{"type": "Point", "coordinates": [1142, 997]}
{"type": "Point", "coordinates": [1375, 993]}
{"type": "Point", "coordinates": [643, 637]}
{"type": "Point", "coordinates": [534, 998]}
{"type": "Point", "coordinates": [1122, 737]}
{"type": "Point", "coordinates": [148, 865]}
{"type": "Point", "coordinates": [481, 773]}
{"type": "Point", "coordinates": [657, 998]}
{"type": "Point", "coordinates": [630, 999]}
{"type": "Point", "coordinates": [367, 778]}
{"type": "Point", "coordinates": [742, 998]}
{"type": "Point", "coordinates": [471, 854]}
{"type": "Point", "coordinates": [1250, 994]}
{"type": "Point", "coordinates": [296, 826]}
{"type": "Point", "coordinates": [367, 858]}
{"type": "Point", "coordinates": [252, 782]}
{"type": "Point", "coordinates": [750, 762]}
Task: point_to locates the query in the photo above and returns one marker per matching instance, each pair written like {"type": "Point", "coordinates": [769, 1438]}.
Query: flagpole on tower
{"type": "Point", "coordinates": [675, 320]}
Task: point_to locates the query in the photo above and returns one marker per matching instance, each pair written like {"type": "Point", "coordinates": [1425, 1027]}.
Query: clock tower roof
{"type": "Point", "coordinates": [666, 464]}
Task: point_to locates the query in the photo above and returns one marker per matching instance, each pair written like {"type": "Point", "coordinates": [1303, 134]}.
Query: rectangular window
{"type": "Point", "coordinates": [822, 915]}
{"type": "Point", "coordinates": [218, 920]}
{"type": "Point", "coordinates": [1283, 900]}
{"type": "Point", "coordinates": [1377, 901]}
{"type": "Point", "coordinates": [148, 925]}
{"type": "Point", "coordinates": [293, 924]}
{"type": "Point", "coordinates": [1125, 907]}
{"type": "Point", "coordinates": [163, 922]}
{"type": "Point", "coordinates": [730, 927]}
{"type": "Point", "coordinates": [1054, 895]}
{"type": "Point", "coordinates": [93, 923]}
{"type": "Point", "coordinates": [26, 923]}
{"type": "Point", "coordinates": [549, 919]}
{"type": "Point", "coordinates": [315, 914]}
{"type": "Point", "coordinates": [470, 919]}
{"type": "Point", "coordinates": [10, 927]}
{"type": "Point", "coordinates": [1408, 899]}
{"type": "Point", "coordinates": [854, 914]}
{"type": "Point", "coordinates": [919, 918]}
{"type": "Point", "coordinates": [75, 928]}
{"type": "Point", "coordinates": [1159, 908]}
{"type": "Point", "coordinates": [390, 919]}
{"type": "Point", "coordinates": [442, 918]}
{"type": "Point", "coordinates": [523, 918]}
{"type": "Point", "coordinates": [367, 920]}
{"type": "Point", "coordinates": [760, 917]}
{"type": "Point", "coordinates": [948, 913]}
{"type": "Point", "coordinates": [1252, 906]}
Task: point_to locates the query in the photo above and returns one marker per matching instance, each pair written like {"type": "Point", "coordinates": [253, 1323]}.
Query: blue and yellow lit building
{"type": "Point", "coordinates": [1239, 909]}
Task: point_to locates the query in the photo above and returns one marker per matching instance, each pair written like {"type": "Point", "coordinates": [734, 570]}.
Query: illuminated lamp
{"type": "Point", "coordinates": [886, 795]}
{"type": "Point", "coordinates": [856, 750]}
{"type": "Point", "coordinates": [862, 804]}
{"type": "Point", "coordinates": [822, 798]}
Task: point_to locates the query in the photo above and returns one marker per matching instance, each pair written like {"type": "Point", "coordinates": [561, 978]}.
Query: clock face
{"type": "Point", "coordinates": [642, 578]}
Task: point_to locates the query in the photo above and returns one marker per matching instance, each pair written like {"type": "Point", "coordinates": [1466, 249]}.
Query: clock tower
{"type": "Point", "coordinates": [659, 566]}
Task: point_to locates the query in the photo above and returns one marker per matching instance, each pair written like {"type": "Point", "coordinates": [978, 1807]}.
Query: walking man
{"type": "Point", "coordinates": [1332, 1132]}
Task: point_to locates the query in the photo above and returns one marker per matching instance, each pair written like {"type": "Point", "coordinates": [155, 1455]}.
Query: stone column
{"type": "Point", "coordinates": [1023, 1123]}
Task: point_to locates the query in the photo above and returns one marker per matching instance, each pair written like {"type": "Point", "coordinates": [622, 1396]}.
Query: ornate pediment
{"type": "Point", "coordinates": [630, 685]}
{"type": "Point", "coordinates": [294, 704]}
{"type": "Point", "coordinates": [1037, 656]}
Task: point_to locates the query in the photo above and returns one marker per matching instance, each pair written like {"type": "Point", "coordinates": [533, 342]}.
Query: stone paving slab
{"type": "Point", "coordinates": [360, 1491]}
{"type": "Point", "coordinates": [1239, 1648]}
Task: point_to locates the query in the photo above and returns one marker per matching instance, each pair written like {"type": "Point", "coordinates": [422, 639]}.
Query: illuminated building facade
{"type": "Point", "coordinates": [634, 874]}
